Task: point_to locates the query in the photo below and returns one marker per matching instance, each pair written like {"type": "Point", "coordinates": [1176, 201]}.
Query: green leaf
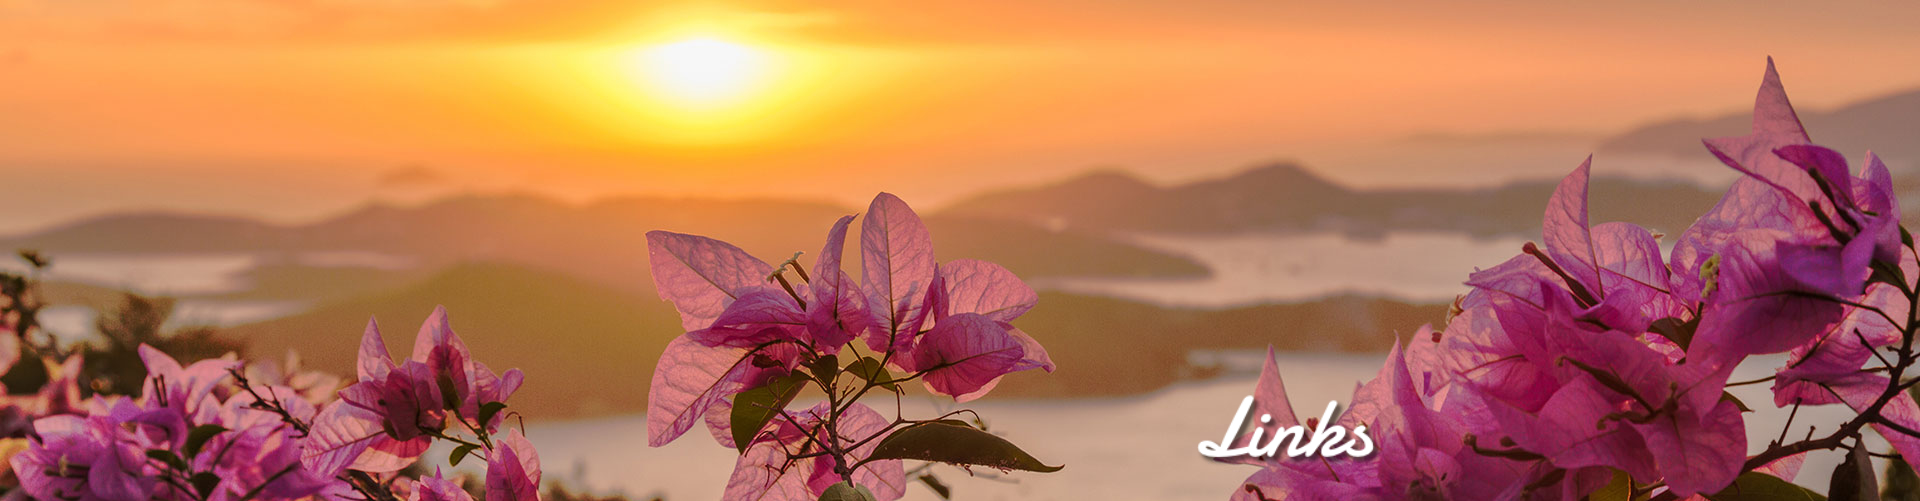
{"type": "Point", "coordinates": [204, 482]}
{"type": "Point", "coordinates": [951, 441]}
{"type": "Point", "coordinates": [1610, 380]}
{"type": "Point", "coordinates": [1854, 478]}
{"type": "Point", "coordinates": [1727, 396]}
{"type": "Point", "coordinates": [825, 368]}
{"type": "Point", "coordinates": [198, 437]}
{"type": "Point", "coordinates": [489, 409]}
{"type": "Point", "coordinates": [1619, 489]}
{"type": "Point", "coordinates": [871, 370]}
{"type": "Point", "coordinates": [846, 492]}
{"type": "Point", "coordinates": [166, 456]}
{"type": "Point", "coordinates": [752, 409]}
{"type": "Point", "coordinates": [448, 396]}
{"type": "Point", "coordinates": [938, 487]}
{"type": "Point", "coordinates": [460, 453]}
{"type": "Point", "coordinates": [1888, 273]}
{"type": "Point", "coordinates": [1680, 332]}
{"type": "Point", "coordinates": [1756, 486]}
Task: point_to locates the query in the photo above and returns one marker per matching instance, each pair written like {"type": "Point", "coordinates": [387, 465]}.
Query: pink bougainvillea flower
{"type": "Point", "coordinates": [952, 320]}
{"type": "Point", "coordinates": [259, 452]}
{"type": "Point", "coordinates": [1834, 358]}
{"type": "Point", "coordinates": [690, 379]}
{"type": "Point", "coordinates": [75, 457]}
{"type": "Point", "coordinates": [897, 266]}
{"type": "Point", "coordinates": [766, 471]}
{"type": "Point", "coordinates": [973, 342]}
{"type": "Point", "coordinates": [700, 275]}
{"type": "Point", "coordinates": [182, 388]}
{"type": "Point", "coordinates": [385, 420]}
{"type": "Point", "coordinates": [513, 470]}
{"type": "Point", "coordinates": [112, 451]}
{"type": "Point", "coordinates": [406, 397]}
{"type": "Point", "coordinates": [965, 352]}
{"type": "Point", "coordinates": [437, 487]}
{"type": "Point", "coordinates": [758, 316]}
{"type": "Point", "coordinates": [1614, 271]}
{"type": "Point", "coordinates": [1798, 229]}
{"type": "Point", "coordinates": [1422, 451]}
{"type": "Point", "coordinates": [461, 380]}
{"type": "Point", "coordinates": [838, 313]}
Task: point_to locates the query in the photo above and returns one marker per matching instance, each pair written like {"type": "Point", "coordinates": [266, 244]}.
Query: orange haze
{"type": "Point", "coordinates": [293, 108]}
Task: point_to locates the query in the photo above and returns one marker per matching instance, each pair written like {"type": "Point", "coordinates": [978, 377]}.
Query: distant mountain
{"type": "Point", "coordinates": [589, 349]}
{"type": "Point", "coordinates": [1889, 125]}
{"type": "Point", "coordinates": [1290, 198]}
{"type": "Point", "coordinates": [604, 242]}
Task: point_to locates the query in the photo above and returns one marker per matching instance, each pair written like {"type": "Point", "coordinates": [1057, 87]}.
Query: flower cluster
{"type": "Point", "coordinates": [1593, 360]}
{"type": "Point", "coordinates": [755, 340]}
{"type": "Point", "coordinates": [217, 430]}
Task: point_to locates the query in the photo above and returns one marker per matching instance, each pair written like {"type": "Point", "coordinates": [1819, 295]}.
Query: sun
{"type": "Point", "coordinates": [703, 72]}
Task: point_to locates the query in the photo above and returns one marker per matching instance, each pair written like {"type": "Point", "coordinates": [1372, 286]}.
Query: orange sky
{"type": "Point", "coordinates": [296, 108]}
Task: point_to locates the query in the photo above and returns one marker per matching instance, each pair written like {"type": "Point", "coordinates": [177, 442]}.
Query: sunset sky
{"type": "Point", "coordinates": [294, 109]}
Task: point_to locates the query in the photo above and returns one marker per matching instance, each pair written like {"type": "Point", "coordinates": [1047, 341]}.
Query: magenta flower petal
{"type": "Point", "coordinates": [973, 286]}
{"type": "Point", "coordinates": [1033, 356]}
{"type": "Point", "coordinates": [838, 312]}
{"type": "Point", "coordinates": [834, 320]}
{"type": "Point", "coordinates": [374, 361]}
{"type": "Point", "coordinates": [1775, 125]}
{"type": "Point", "coordinates": [759, 316]}
{"type": "Point", "coordinates": [690, 378]}
{"type": "Point", "coordinates": [763, 472]}
{"type": "Point", "coordinates": [1565, 229]}
{"type": "Point", "coordinates": [1572, 430]}
{"type": "Point", "coordinates": [1755, 309]}
{"type": "Point", "coordinates": [887, 480]}
{"type": "Point", "coordinates": [436, 487]}
{"type": "Point", "coordinates": [964, 352]}
{"type": "Point", "coordinates": [700, 275]}
{"type": "Point", "coordinates": [896, 260]}
{"type": "Point", "coordinates": [513, 470]}
{"type": "Point", "coordinates": [1698, 456]}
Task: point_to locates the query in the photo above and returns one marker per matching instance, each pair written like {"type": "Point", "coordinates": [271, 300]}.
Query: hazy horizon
{"type": "Point", "coordinates": [292, 111]}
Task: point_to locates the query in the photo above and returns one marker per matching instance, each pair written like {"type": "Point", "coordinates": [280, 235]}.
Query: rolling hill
{"type": "Point", "coordinates": [1890, 125]}
{"type": "Point", "coordinates": [603, 242]}
{"type": "Point", "coordinates": [1291, 198]}
{"type": "Point", "coordinates": [589, 349]}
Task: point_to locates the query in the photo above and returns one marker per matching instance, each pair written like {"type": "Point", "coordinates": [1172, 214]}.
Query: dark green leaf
{"type": "Point", "coordinates": [1680, 332]}
{"type": "Point", "coordinates": [198, 437]}
{"type": "Point", "coordinates": [460, 453]}
{"type": "Point", "coordinates": [1610, 380]}
{"type": "Point", "coordinates": [1853, 479]}
{"type": "Point", "coordinates": [1619, 489]}
{"type": "Point", "coordinates": [873, 371]}
{"type": "Point", "coordinates": [448, 397]}
{"type": "Point", "coordinates": [954, 442]}
{"type": "Point", "coordinates": [825, 369]}
{"type": "Point", "coordinates": [752, 409]}
{"type": "Point", "coordinates": [938, 487]}
{"type": "Point", "coordinates": [489, 409]}
{"type": "Point", "coordinates": [166, 456]}
{"type": "Point", "coordinates": [205, 482]}
{"type": "Point", "coordinates": [1888, 273]}
{"type": "Point", "coordinates": [1755, 486]}
{"type": "Point", "coordinates": [1726, 396]}
{"type": "Point", "coordinates": [846, 492]}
